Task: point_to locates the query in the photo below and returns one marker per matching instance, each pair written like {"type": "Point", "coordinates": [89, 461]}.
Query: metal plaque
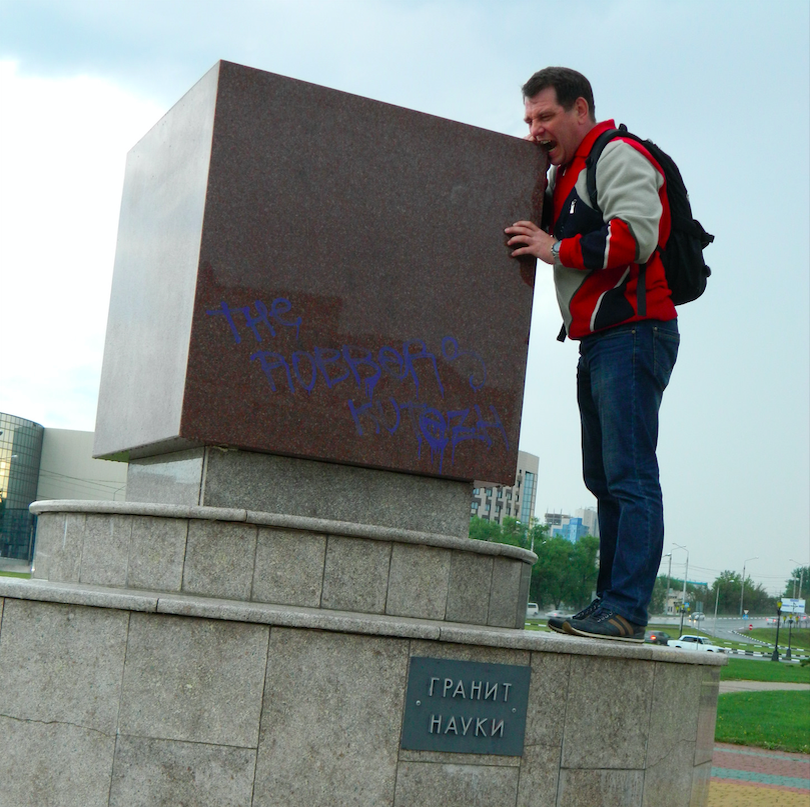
{"type": "Point", "coordinates": [465, 707]}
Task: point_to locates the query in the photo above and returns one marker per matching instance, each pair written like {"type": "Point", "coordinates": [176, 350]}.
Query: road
{"type": "Point", "coordinates": [725, 627]}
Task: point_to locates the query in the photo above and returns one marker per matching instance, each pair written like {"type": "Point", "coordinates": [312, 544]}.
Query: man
{"type": "Point", "coordinates": [614, 299]}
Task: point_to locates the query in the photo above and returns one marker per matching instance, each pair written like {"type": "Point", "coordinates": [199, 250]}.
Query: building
{"type": "Point", "coordinates": [572, 528]}
{"type": "Point", "coordinates": [38, 463]}
{"type": "Point", "coordinates": [20, 453]}
{"type": "Point", "coordinates": [497, 502]}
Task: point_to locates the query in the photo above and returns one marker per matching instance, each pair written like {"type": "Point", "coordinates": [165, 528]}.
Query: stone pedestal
{"type": "Point", "coordinates": [248, 480]}
{"type": "Point", "coordinates": [316, 340]}
{"type": "Point", "coordinates": [115, 695]}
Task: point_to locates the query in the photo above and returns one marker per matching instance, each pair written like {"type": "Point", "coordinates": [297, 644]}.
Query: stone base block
{"type": "Point", "coordinates": [228, 478]}
{"type": "Point", "coordinates": [113, 697]}
{"type": "Point", "coordinates": [287, 560]}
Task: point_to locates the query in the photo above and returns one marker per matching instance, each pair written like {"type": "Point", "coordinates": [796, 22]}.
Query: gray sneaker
{"type": "Point", "coordinates": [557, 623]}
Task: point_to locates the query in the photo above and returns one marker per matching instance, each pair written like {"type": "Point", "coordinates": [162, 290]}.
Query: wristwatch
{"type": "Point", "coordinates": [555, 250]}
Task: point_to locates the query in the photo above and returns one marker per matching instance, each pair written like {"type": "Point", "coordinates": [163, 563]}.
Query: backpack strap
{"type": "Point", "coordinates": [593, 158]}
{"type": "Point", "coordinates": [590, 184]}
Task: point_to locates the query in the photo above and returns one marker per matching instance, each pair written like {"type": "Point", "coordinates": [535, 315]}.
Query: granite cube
{"type": "Point", "coordinates": [309, 273]}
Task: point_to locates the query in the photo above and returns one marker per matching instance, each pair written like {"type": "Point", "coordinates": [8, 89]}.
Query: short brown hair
{"type": "Point", "coordinates": [568, 84]}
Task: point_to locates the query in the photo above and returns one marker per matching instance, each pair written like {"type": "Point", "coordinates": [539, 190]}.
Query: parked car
{"type": "Point", "coordinates": [688, 642]}
{"type": "Point", "coordinates": [532, 611]}
{"type": "Point", "coordinates": [656, 637]}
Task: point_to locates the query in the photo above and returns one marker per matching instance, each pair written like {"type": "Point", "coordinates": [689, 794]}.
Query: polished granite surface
{"type": "Point", "coordinates": [305, 272]}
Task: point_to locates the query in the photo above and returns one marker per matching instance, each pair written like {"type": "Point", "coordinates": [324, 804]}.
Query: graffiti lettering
{"type": "Point", "coordinates": [413, 364]}
{"type": "Point", "coordinates": [278, 307]}
{"type": "Point", "coordinates": [429, 425]}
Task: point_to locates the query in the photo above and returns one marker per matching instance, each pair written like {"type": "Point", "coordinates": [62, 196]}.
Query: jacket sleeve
{"type": "Point", "coordinates": [628, 192]}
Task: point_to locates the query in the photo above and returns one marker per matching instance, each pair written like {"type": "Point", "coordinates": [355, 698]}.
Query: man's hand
{"type": "Point", "coordinates": [537, 242]}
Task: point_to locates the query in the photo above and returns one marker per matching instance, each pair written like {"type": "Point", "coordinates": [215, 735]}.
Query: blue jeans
{"type": "Point", "coordinates": [621, 378]}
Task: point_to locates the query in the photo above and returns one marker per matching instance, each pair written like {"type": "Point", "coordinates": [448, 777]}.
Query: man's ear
{"type": "Point", "coordinates": [582, 109]}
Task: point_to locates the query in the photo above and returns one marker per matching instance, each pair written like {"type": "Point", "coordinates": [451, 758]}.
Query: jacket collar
{"type": "Point", "coordinates": [586, 145]}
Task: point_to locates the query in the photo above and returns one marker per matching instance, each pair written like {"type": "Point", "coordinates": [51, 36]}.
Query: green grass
{"type": "Point", "coordinates": [778, 721]}
{"type": "Point", "coordinates": [799, 637]}
{"type": "Point", "coordinates": [739, 669]}
{"type": "Point", "coordinates": [23, 575]}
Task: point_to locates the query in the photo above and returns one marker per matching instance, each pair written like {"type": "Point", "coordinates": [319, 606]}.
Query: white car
{"type": "Point", "coordinates": [689, 642]}
{"type": "Point", "coordinates": [532, 611]}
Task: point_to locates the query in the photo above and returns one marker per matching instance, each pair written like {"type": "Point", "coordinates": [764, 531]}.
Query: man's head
{"type": "Point", "coordinates": [559, 110]}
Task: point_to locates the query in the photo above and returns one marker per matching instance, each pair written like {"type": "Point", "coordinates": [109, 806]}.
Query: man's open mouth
{"type": "Point", "coordinates": [548, 145]}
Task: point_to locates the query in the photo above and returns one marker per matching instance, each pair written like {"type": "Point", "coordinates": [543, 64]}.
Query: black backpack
{"type": "Point", "coordinates": [682, 256]}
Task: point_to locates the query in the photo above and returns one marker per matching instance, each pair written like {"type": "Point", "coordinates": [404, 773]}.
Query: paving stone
{"type": "Point", "coordinates": [54, 764]}
{"type": "Point", "coordinates": [421, 784]}
{"type": "Point", "coordinates": [418, 581]}
{"type": "Point", "coordinates": [607, 717]}
{"type": "Point", "coordinates": [194, 680]}
{"type": "Point", "coordinates": [355, 575]}
{"type": "Point", "coordinates": [62, 663]}
{"type": "Point", "coordinates": [156, 553]}
{"type": "Point", "coordinates": [219, 559]}
{"type": "Point", "coordinates": [468, 590]}
{"type": "Point", "coordinates": [289, 567]}
{"type": "Point", "coordinates": [154, 773]}
{"type": "Point", "coordinates": [600, 788]}
{"type": "Point", "coordinates": [331, 721]}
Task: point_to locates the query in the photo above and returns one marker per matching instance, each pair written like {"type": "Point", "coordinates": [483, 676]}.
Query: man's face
{"type": "Point", "coordinates": [559, 130]}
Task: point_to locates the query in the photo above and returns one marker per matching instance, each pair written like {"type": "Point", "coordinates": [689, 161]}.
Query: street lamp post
{"type": "Point", "coordinates": [742, 588]}
{"type": "Point", "coordinates": [775, 656]}
{"type": "Point", "coordinates": [685, 576]}
{"type": "Point", "coordinates": [801, 574]}
{"type": "Point", "coordinates": [790, 627]}
{"type": "Point", "coordinates": [716, 603]}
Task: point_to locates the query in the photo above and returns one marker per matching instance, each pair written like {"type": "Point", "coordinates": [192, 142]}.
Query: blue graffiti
{"type": "Point", "coordinates": [413, 364]}
{"type": "Point", "coordinates": [278, 307]}
{"type": "Point", "coordinates": [430, 425]}
{"type": "Point", "coordinates": [349, 362]}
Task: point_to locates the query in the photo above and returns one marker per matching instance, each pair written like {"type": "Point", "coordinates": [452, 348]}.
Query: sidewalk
{"type": "Point", "coordinates": [754, 777]}
{"type": "Point", "coordinates": [760, 686]}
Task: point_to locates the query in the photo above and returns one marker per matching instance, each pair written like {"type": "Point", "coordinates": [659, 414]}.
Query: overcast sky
{"type": "Point", "coordinates": [723, 86]}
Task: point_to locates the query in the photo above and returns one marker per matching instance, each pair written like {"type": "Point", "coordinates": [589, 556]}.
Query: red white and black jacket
{"type": "Point", "coordinates": [597, 273]}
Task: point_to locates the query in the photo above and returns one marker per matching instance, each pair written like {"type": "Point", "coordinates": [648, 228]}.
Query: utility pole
{"type": "Point", "coordinates": [742, 588]}
{"type": "Point", "coordinates": [801, 574]}
{"type": "Point", "coordinates": [685, 576]}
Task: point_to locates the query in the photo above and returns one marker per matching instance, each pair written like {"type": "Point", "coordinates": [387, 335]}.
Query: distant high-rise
{"type": "Point", "coordinates": [583, 522]}
{"type": "Point", "coordinates": [496, 502]}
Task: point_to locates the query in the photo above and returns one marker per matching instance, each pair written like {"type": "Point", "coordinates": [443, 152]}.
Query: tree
{"type": "Point", "coordinates": [583, 571]}
{"type": "Point", "coordinates": [565, 571]}
{"type": "Point", "coordinates": [483, 530]}
{"type": "Point", "coordinates": [658, 604]}
{"type": "Point", "coordinates": [755, 599]}
{"type": "Point", "coordinates": [800, 575]}
{"type": "Point", "coordinates": [514, 532]}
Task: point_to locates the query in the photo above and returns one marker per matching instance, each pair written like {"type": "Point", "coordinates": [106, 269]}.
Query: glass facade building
{"type": "Point", "coordinates": [20, 455]}
{"type": "Point", "coordinates": [497, 502]}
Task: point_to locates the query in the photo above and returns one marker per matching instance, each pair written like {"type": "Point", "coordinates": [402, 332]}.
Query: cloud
{"type": "Point", "coordinates": [62, 153]}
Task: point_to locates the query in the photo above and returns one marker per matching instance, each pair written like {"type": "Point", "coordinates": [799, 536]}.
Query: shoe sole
{"type": "Point", "coordinates": [561, 629]}
{"type": "Point", "coordinates": [571, 631]}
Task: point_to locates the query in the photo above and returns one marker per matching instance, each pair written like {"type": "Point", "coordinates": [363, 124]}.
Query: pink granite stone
{"type": "Point", "coordinates": [305, 272]}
